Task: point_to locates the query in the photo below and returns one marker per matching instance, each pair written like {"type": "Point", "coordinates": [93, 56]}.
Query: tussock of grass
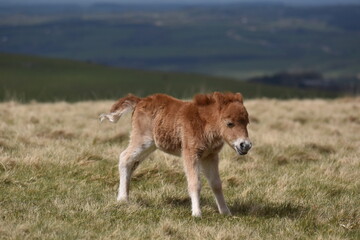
{"type": "Point", "coordinates": [59, 176]}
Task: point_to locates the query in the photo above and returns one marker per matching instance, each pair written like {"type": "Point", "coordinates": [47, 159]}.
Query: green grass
{"type": "Point", "coordinates": [28, 78]}
{"type": "Point", "coordinates": [59, 177]}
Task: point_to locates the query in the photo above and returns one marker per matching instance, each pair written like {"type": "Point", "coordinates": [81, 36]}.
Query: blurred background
{"type": "Point", "coordinates": [96, 49]}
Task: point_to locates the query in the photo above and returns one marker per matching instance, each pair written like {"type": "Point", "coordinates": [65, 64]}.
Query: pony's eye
{"type": "Point", "coordinates": [230, 124]}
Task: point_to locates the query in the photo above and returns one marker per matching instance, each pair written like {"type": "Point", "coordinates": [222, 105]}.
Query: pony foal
{"type": "Point", "coordinates": [195, 130]}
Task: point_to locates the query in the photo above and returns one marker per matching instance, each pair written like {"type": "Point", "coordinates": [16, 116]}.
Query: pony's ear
{"type": "Point", "coordinates": [239, 97]}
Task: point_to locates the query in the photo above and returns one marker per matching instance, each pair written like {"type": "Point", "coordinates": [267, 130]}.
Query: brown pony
{"type": "Point", "coordinates": [195, 130]}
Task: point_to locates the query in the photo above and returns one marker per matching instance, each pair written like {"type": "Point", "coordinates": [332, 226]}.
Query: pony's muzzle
{"type": "Point", "coordinates": [243, 147]}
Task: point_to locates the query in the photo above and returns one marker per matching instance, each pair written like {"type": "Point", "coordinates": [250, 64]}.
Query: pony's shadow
{"type": "Point", "coordinates": [267, 209]}
{"type": "Point", "coordinates": [251, 208]}
{"type": "Point", "coordinates": [178, 202]}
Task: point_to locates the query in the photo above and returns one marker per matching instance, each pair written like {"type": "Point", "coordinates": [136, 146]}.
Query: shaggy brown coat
{"type": "Point", "coordinates": [195, 130]}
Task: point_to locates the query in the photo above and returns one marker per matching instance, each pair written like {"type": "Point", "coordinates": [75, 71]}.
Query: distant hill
{"type": "Point", "coordinates": [35, 78]}
{"type": "Point", "coordinates": [311, 80]}
{"type": "Point", "coordinates": [169, 2]}
{"type": "Point", "coordinates": [234, 40]}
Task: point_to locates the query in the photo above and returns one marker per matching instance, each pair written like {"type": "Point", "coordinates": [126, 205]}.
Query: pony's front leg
{"type": "Point", "coordinates": [191, 165]}
{"type": "Point", "coordinates": [210, 167]}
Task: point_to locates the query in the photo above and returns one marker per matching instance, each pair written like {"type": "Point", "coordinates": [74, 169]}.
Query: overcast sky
{"type": "Point", "coordinates": [181, 1]}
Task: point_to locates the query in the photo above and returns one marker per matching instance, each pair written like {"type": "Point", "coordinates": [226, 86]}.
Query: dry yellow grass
{"type": "Point", "coordinates": [301, 180]}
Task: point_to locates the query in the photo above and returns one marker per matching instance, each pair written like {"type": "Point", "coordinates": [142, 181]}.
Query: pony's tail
{"type": "Point", "coordinates": [123, 105]}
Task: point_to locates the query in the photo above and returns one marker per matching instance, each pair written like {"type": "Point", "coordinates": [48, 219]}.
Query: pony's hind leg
{"type": "Point", "coordinates": [129, 160]}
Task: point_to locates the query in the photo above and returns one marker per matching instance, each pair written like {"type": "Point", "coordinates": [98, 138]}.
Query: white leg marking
{"type": "Point", "coordinates": [195, 203]}
{"type": "Point", "coordinates": [124, 172]}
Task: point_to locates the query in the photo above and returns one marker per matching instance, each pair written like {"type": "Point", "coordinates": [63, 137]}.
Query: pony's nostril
{"type": "Point", "coordinates": [245, 146]}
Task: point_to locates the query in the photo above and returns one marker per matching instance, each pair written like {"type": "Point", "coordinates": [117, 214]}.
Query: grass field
{"type": "Point", "coordinates": [301, 180]}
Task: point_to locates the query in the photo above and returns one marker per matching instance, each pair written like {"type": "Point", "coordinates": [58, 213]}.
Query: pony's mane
{"type": "Point", "coordinates": [221, 98]}
{"type": "Point", "coordinates": [203, 99]}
